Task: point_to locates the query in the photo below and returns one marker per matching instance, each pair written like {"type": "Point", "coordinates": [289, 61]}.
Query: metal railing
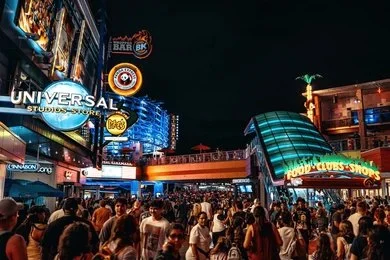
{"type": "Point", "coordinates": [345, 122]}
{"type": "Point", "coordinates": [200, 157]}
{"type": "Point", "coordinates": [353, 144]}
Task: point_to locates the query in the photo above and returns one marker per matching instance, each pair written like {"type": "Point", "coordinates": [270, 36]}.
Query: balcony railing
{"type": "Point", "coordinates": [352, 144]}
{"type": "Point", "coordinates": [345, 122]}
{"type": "Point", "coordinates": [200, 157]}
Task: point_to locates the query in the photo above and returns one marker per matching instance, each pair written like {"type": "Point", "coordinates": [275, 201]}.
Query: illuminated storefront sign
{"type": "Point", "coordinates": [125, 79]}
{"type": "Point", "coordinates": [332, 164]}
{"type": "Point", "coordinates": [116, 123]}
{"type": "Point", "coordinates": [235, 181]}
{"type": "Point", "coordinates": [64, 105]}
{"type": "Point", "coordinates": [139, 45]}
{"type": "Point", "coordinates": [29, 167]}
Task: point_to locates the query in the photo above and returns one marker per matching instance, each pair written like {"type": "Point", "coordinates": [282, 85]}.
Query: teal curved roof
{"type": "Point", "coordinates": [285, 137]}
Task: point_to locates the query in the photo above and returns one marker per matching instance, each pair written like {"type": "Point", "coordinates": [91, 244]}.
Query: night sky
{"type": "Point", "coordinates": [218, 63]}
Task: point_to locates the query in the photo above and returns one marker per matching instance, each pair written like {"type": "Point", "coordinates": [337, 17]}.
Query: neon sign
{"type": "Point", "coordinates": [64, 105]}
{"type": "Point", "coordinates": [139, 45]}
{"type": "Point", "coordinates": [333, 164]}
{"type": "Point", "coordinates": [29, 167]}
{"type": "Point", "coordinates": [125, 79]}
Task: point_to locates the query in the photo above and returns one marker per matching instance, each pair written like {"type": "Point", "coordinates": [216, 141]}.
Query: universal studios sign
{"type": "Point", "coordinates": [64, 105]}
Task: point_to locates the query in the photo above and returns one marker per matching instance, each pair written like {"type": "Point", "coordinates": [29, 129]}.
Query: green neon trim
{"type": "Point", "coordinates": [288, 128]}
{"type": "Point", "coordinates": [285, 120]}
{"type": "Point", "coordinates": [296, 145]}
{"type": "Point", "coordinates": [301, 137]}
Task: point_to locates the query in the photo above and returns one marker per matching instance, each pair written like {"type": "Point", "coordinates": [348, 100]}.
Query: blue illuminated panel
{"type": "Point", "coordinates": [285, 137]}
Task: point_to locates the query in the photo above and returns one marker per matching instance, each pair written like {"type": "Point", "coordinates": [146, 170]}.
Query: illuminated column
{"type": "Point", "coordinates": [3, 171]}
{"type": "Point", "coordinates": [309, 102]}
{"type": "Point", "coordinates": [383, 187]}
{"type": "Point", "coordinates": [317, 118]}
{"type": "Point", "coordinates": [362, 119]}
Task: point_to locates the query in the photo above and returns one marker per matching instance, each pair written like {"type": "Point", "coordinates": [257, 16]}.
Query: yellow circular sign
{"type": "Point", "coordinates": [125, 79]}
{"type": "Point", "coordinates": [116, 124]}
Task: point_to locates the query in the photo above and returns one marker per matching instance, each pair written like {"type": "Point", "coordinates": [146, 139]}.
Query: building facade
{"type": "Point", "coordinates": [355, 119]}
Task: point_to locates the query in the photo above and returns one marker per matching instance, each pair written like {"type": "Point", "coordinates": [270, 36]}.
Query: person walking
{"type": "Point", "coordinates": [152, 230]}
{"type": "Point", "coordinates": [200, 240]}
{"type": "Point", "coordinates": [123, 238]}
{"type": "Point", "coordinates": [262, 239]}
{"type": "Point", "coordinates": [74, 243]}
{"type": "Point", "coordinates": [120, 209]}
{"type": "Point", "coordinates": [12, 246]}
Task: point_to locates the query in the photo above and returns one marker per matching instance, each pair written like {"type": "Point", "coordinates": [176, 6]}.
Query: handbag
{"type": "Point", "coordinates": [300, 247]}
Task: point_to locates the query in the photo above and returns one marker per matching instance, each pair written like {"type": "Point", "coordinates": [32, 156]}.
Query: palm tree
{"type": "Point", "coordinates": [309, 93]}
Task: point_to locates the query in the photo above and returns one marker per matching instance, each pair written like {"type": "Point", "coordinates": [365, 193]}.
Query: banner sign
{"type": "Point", "coordinates": [64, 105]}
{"type": "Point", "coordinates": [139, 45]}
{"type": "Point", "coordinates": [331, 163]}
{"type": "Point", "coordinates": [29, 167]}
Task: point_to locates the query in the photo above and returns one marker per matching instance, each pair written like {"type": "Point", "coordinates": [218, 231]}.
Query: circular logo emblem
{"type": "Point", "coordinates": [58, 117]}
{"type": "Point", "coordinates": [116, 123]}
{"type": "Point", "coordinates": [125, 79]}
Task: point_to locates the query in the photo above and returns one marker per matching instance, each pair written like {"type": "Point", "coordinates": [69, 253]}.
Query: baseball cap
{"type": "Point", "coordinates": [9, 207]}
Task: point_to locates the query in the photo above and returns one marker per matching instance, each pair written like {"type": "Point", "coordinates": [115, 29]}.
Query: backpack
{"type": "Point", "coordinates": [106, 254]}
{"type": "Point", "coordinates": [234, 253]}
{"type": "Point", "coordinates": [3, 244]}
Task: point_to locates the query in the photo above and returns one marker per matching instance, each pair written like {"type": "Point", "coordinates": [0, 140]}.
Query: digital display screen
{"type": "Point", "coordinates": [111, 171]}
{"type": "Point", "coordinates": [248, 188]}
{"type": "Point", "coordinates": [34, 17]}
{"type": "Point", "coordinates": [242, 189]}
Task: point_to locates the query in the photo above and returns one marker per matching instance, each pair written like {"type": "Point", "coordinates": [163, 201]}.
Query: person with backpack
{"type": "Point", "coordinates": [32, 230]}
{"type": "Point", "coordinates": [344, 240]}
{"type": "Point", "coordinates": [262, 239]}
{"type": "Point", "coordinates": [120, 246]}
{"type": "Point", "coordinates": [12, 246]}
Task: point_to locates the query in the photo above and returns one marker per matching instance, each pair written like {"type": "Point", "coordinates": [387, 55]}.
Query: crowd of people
{"type": "Point", "coordinates": [195, 225]}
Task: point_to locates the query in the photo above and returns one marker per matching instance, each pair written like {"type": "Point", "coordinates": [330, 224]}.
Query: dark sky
{"type": "Point", "coordinates": [218, 63]}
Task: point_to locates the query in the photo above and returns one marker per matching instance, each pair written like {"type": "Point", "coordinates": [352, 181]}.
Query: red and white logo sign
{"type": "Point", "coordinates": [125, 79]}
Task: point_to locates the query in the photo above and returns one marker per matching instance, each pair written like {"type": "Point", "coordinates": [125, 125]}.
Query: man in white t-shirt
{"type": "Point", "coordinates": [206, 207]}
{"type": "Point", "coordinates": [361, 210]}
{"type": "Point", "coordinates": [152, 231]}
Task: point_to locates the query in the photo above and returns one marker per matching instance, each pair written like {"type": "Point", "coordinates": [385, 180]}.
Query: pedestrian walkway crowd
{"type": "Point", "coordinates": [195, 225]}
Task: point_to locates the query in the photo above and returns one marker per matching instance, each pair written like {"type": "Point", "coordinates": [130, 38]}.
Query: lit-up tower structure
{"type": "Point", "coordinates": [149, 134]}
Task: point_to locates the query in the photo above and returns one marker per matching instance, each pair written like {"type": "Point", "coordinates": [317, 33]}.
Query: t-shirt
{"type": "Point", "coordinates": [105, 232]}
{"type": "Point", "coordinates": [302, 218]}
{"type": "Point", "coordinates": [354, 219]}
{"type": "Point", "coordinates": [218, 226]}
{"type": "Point", "coordinates": [152, 236]}
{"type": "Point", "coordinates": [56, 215]}
{"type": "Point", "coordinates": [199, 236]}
{"type": "Point", "coordinates": [358, 245]}
{"type": "Point", "coordinates": [288, 235]}
{"type": "Point", "coordinates": [206, 207]}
